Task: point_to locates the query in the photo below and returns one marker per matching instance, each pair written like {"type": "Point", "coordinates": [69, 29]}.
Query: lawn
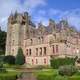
{"type": "Point", "coordinates": [46, 72]}
{"type": "Point", "coordinates": [9, 75]}
{"type": "Point", "coordinates": [52, 74]}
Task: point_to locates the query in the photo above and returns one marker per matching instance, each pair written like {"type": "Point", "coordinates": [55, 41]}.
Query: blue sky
{"type": "Point", "coordinates": [42, 10]}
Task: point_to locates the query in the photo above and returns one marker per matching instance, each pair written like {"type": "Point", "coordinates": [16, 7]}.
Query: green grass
{"type": "Point", "coordinates": [47, 72]}
{"type": "Point", "coordinates": [52, 74]}
{"type": "Point", "coordinates": [11, 75]}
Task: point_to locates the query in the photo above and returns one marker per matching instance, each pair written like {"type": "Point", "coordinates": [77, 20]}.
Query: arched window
{"type": "Point", "coordinates": [12, 51]}
{"type": "Point", "coordinates": [53, 49]}
{"type": "Point", "coordinates": [44, 61]}
{"type": "Point", "coordinates": [32, 61]}
{"type": "Point", "coordinates": [56, 48]}
{"type": "Point", "coordinates": [27, 52]}
{"type": "Point", "coordinates": [30, 52]}
{"type": "Point", "coordinates": [39, 40]}
{"type": "Point", "coordinates": [44, 50]}
{"type": "Point", "coordinates": [40, 51]}
{"type": "Point", "coordinates": [13, 43]}
{"type": "Point", "coordinates": [36, 51]}
{"type": "Point", "coordinates": [31, 41]}
{"type": "Point", "coordinates": [36, 61]}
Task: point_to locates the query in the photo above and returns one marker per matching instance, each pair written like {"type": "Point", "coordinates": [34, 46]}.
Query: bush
{"type": "Point", "coordinates": [20, 59]}
{"type": "Point", "coordinates": [78, 60]}
{"type": "Point", "coordinates": [9, 59]}
{"type": "Point", "coordinates": [2, 52]}
{"type": "Point", "coordinates": [68, 70]}
{"type": "Point", "coordinates": [56, 63]}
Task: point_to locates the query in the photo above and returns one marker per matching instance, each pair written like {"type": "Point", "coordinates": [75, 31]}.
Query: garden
{"type": "Point", "coordinates": [59, 69]}
{"type": "Point", "coordinates": [9, 65]}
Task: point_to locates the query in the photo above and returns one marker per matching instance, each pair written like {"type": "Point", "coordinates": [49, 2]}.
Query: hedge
{"type": "Point", "coordinates": [56, 63]}
{"type": "Point", "coordinates": [8, 76]}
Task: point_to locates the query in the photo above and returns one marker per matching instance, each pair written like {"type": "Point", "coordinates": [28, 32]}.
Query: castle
{"type": "Point", "coordinates": [41, 43]}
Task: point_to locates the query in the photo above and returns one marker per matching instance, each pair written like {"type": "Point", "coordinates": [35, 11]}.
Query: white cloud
{"type": "Point", "coordinates": [6, 6]}
{"type": "Point", "coordinates": [54, 11]}
{"type": "Point", "coordinates": [73, 16]}
{"type": "Point", "coordinates": [41, 19]}
{"type": "Point", "coordinates": [34, 3]}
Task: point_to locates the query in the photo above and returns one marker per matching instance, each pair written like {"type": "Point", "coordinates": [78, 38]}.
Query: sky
{"type": "Point", "coordinates": [42, 11]}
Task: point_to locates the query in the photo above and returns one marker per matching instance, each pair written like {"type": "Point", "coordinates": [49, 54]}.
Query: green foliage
{"type": "Point", "coordinates": [9, 59]}
{"type": "Point", "coordinates": [67, 70]}
{"type": "Point", "coordinates": [74, 78]}
{"type": "Point", "coordinates": [52, 74]}
{"type": "Point", "coordinates": [2, 69]}
{"type": "Point", "coordinates": [56, 63]}
{"type": "Point", "coordinates": [2, 42]}
{"type": "Point", "coordinates": [2, 52]}
{"type": "Point", "coordinates": [42, 67]}
{"type": "Point", "coordinates": [78, 60]}
{"type": "Point", "coordinates": [45, 77]}
{"type": "Point", "coordinates": [8, 76]}
{"type": "Point", "coordinates": [20, 59]}
{"type": "Point", "coordinates": [61, 78]}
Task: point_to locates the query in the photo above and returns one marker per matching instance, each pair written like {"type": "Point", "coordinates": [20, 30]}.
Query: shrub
{"type": "Point", "coordinates": [20, 59]}
{"type": "Point", "coordinates": [78, 60]}
{"type": "Point", "coordinates": [9, 59]}
{"type": "Point", "coordinates": [2, 69]}
{"type": "Point", "coordinates": [68, 70]}
{"type": "Point", "coordinates": [56, 63]}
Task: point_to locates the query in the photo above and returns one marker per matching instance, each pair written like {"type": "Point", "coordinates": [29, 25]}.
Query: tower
{"type": "Point", "coordinates": [17, 30]}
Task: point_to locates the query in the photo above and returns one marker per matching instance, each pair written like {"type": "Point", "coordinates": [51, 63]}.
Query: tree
{"type": "Point", "coordinates": [2, 41]}
{"type": "Point", "coordinates": [20, 59]}
{"type": "Point", "coordinates": [9, 59]}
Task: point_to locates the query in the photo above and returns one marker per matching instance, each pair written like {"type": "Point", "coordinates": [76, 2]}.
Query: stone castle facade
{"type": "Point", "coordinates": [41, 43]}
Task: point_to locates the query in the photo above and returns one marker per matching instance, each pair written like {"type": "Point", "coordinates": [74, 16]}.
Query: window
{"type": "Point", "coordinates": [31, 41]}
{"type": "Point", "coordinates": [39, 39]}
{"type": "Point", "coordinates": [12, 51]}
{"type": "Point", "coordinates": [36, 51]}
{"type": "Point", "coordinates": [13, 42]}
{"type": "Point", "coordinates": [44, 61]}
{"type": "Point", "coordinates": [32, 61]}
{"type": "Point", "coordinates": [53, 49]}
{"type": "Point", "coordinates": [44, 50]}
{"type": "Point", "coordinates": [30, 52]}
{"type": "Point", "coordinates": [42, 39]}
{"type": "Point", "coordinates": [56, 48]}
{"type": "Point", "coordinates": [36, 61]}
{"type": "Point", "coordinates": [27, 52]}
{"type": "Point", "coordinates": [40, 51]}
